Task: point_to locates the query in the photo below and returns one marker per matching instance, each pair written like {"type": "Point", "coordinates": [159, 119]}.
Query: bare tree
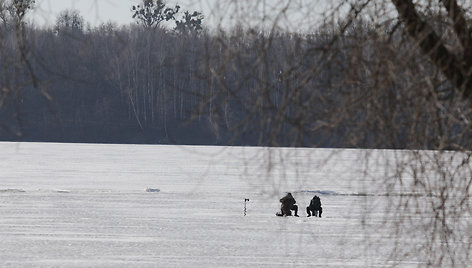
{"type": "Point", "coordinates": [69, 21]}
{"type": "Point", "coordinates": [191, 22]}
{"type": "Point", "coordinates": [150, 13]}
{"type": "Point", "coordinates": [361, 74]}
{"type": "Point", "coordinates": [17, 68]}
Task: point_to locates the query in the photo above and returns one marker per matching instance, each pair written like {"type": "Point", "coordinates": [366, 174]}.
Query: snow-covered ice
{"type": "Point", "coordinates": [95, 205]}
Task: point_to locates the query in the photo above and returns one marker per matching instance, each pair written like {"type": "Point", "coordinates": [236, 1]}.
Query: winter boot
{"type": "Point", "coordinates": [295, 209]}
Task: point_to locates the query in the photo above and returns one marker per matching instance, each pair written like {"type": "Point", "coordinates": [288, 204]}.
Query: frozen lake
{"type": "Point", "coordinates": [89, 205]}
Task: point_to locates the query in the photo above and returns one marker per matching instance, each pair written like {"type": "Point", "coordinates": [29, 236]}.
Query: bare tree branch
{"type": "Point", "coordinates": [455, 69]}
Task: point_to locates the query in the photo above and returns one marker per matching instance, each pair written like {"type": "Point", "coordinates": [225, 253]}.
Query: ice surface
{"type": "Point", "coordinates": [90, 205]}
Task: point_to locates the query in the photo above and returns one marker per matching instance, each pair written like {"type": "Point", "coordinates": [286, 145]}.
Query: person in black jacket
{"type": "Point", "coordinates": [314, 208]}
{"type": "Point", "coordinates": [288, 204]}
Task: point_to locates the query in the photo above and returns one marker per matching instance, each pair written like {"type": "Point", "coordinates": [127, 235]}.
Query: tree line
{"type": "Point", "coordinates": [145, 83]}
{"type": "Point", "coordinates": [132, 84]}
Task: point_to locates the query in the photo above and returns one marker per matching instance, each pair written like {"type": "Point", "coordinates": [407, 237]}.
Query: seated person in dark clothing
{"type": "Point", "coordinates": [314, 208]}
{"type": "Point", "coordinates": [288, 204]}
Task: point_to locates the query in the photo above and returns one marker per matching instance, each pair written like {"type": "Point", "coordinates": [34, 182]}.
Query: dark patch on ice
{"type": "Point", "coordinates": [334, 193]}
{"type": "Point", "coordinates": [322, 192]}
{"type": "Point", "coordinates": [152, 190]}
{"type": "Point", "coordinates": [12, 191]}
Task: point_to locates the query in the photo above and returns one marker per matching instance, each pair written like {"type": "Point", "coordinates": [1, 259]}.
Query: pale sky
{"type": "Point", "coordinates": [96, 12]}
{"type": "Point", "coordinates": [93, 11]}
{"type": "Point", "coordinates": [217, 12]}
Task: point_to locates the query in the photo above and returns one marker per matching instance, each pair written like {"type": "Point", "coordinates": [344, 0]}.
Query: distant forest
{"type": "Point", "coordinates": [154, 85]}
{"type": "Point", "coordinates": [130, 84]}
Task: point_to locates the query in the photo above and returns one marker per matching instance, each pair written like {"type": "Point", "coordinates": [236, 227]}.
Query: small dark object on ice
{"type": "Point", "coordinates": [152, 190]}
{"type": "Point", "coordinates": [282, 215]}
{"type": "Point", "coordinates": [245, 210]}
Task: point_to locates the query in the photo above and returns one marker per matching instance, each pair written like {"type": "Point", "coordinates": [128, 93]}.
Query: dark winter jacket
{"type": "Point", "coordinates": [315, 202]}
{"type": "Point", "coordinates": [288, 201]}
